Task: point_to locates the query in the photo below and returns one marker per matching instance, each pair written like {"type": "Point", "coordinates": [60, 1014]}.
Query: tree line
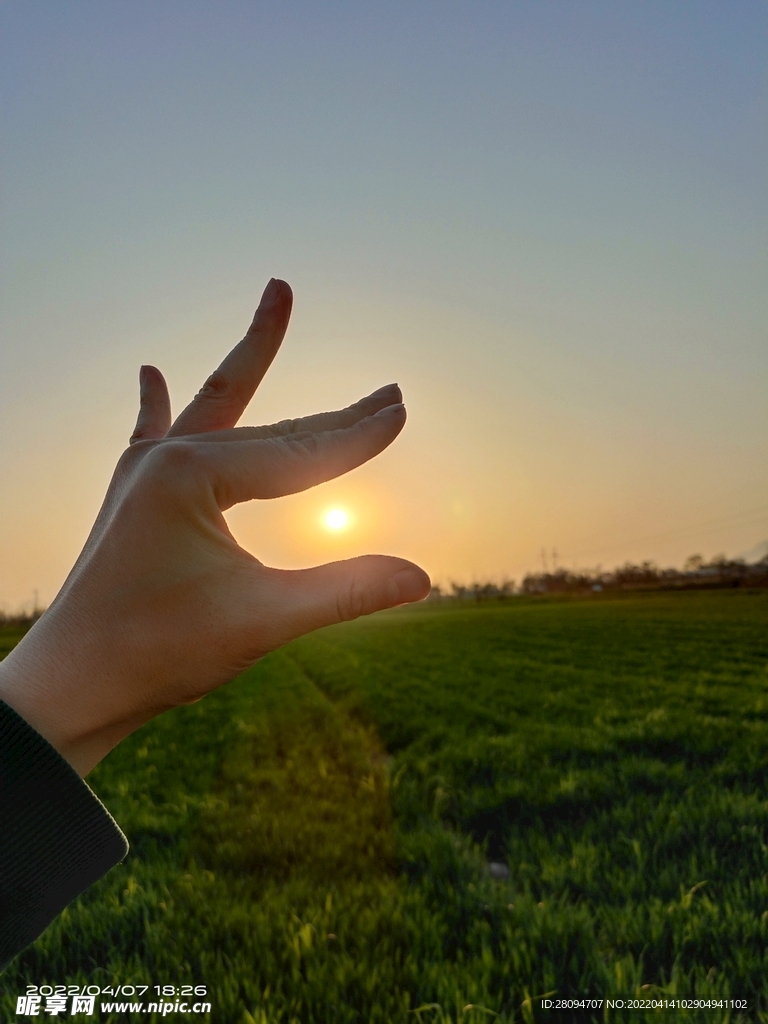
{"type": "Point", "coordinates": [696, 574]}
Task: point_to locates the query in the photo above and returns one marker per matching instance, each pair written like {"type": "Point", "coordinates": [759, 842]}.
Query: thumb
{"type": "Point", "coordinates": [345, 590]}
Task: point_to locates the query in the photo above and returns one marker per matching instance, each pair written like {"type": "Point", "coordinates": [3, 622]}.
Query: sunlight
{"type": "Point", "coordinates": [336, 519]}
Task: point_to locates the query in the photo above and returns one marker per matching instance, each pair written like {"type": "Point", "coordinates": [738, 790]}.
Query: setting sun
{"type": "Point", "coordinates": [336, 519]}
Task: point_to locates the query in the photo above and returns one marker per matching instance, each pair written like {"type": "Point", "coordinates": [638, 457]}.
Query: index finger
{"type": "Point", "coordinates": [221, 401]}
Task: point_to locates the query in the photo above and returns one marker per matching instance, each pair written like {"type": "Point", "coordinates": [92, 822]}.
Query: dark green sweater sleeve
{"type": "Point", "coordinates": [56, 837]}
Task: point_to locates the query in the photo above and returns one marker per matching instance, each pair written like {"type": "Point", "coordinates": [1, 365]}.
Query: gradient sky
{"type": "Point", "coordinates": [546, 221]}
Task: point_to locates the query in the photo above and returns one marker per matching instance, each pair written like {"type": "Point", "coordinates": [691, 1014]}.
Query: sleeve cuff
{"type": "Point", "coordinates": [56, 837]}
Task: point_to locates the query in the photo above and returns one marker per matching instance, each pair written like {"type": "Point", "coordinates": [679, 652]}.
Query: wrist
{"type": "Point", "coordinates": [52, 680]}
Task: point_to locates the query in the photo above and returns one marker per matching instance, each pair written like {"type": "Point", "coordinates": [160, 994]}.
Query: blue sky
{"type": "Point", "coordinates": [547, 221]}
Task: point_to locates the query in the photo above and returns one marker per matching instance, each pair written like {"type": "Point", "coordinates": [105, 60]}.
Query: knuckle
{"type": "Point", "coordinates": [297, 446]}
{"type": "Point", "coordinates": [139, 441]}
{"type": "Point", "coordinates": [134, 458]}
{"type": "Point", "coordinates": [132, 455]}
{"type": "Point", "coordinates": [352, 601]}
{"type": "Point", "coordinates": [172, 458]}
{"type": "Point", "coordinates": [306, 444]}
{"type": "Point", "coordinates": [287, 427]}
{"type": "Point", "coordinates": [216, 387]}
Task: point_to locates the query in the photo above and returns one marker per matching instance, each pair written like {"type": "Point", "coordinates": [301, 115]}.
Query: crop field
{"type": "Point", "coordinates": [312, 842]}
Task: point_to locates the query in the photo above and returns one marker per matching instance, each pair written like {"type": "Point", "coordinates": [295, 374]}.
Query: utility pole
{"type": "Point", "coordinates": [544, 560]}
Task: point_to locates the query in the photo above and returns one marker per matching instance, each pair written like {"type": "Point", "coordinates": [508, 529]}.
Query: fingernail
{"type": "Point", "coordinates": [391, 410]}
{"type": "Point", "coordinates": [412, 584]}
{"type": "Point", "coordinates": [387, 389]}
{"type": "Point", "coordinates": [142, 380]}
{"type": "Point", "coordinates": [270, 296]}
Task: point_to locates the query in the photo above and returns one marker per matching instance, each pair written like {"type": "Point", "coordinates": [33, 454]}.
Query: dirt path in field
{"type": "Point", "coordinates": [304, 790]}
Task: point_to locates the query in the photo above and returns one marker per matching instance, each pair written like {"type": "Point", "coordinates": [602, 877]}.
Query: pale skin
{"type": "Point", "coordinates": [163, 605]}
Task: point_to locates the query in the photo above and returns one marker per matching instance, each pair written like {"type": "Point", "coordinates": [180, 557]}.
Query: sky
{"type": "Point", "coordinates": [545, 221]}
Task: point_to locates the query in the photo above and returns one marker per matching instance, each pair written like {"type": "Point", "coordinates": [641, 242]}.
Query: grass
{"type": "Point", "coordinates": [311, 842]}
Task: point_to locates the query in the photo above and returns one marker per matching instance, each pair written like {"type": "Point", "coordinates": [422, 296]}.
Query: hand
{"type": "Point", "coordinates": [163, 605]}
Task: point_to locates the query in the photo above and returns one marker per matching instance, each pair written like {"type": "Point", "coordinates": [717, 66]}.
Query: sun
{"type": "Point", "coordinates": [336, 519]}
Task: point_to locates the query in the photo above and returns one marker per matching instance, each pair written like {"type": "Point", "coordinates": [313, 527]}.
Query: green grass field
{"type": "Point", "coordinates": [311, 842]}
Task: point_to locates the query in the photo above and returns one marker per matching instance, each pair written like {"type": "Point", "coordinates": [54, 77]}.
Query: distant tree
{"type": "Point", "coordinates": [696, 573]}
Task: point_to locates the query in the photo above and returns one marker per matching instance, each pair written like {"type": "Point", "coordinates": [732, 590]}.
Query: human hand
{"type": "Point", "coordinates": [163, 605]}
